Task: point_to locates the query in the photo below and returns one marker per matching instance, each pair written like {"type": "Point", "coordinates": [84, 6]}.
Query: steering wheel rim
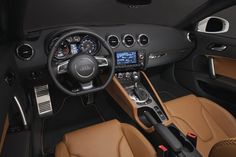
{"type": "Point", "coordinates": [111, 63]}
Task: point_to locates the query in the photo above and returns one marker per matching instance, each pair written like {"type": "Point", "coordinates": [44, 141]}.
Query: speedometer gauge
{"type": "Point", "coordinates": [88, 45]}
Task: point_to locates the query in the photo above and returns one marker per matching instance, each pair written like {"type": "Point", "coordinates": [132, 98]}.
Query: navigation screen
{"type": "Point", "coordinates": [126, 58]}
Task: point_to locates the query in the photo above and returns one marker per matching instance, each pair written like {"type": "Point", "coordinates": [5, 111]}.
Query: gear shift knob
{"type": "Point", "coordinates": [135, 78]}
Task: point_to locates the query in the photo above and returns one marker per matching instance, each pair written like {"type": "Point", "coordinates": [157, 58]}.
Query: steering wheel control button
{"type": "Point", "coordinates": [102, 61]}
{"type": "Point", "coordinates": [62, 67]}
{"type": "Point", "coordinates": [83, 67]}
{"type": "Point", "coordinates": [128, 40]}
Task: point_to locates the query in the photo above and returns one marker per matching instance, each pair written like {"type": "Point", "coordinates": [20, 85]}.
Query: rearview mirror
{"type": "Point", "coordinates": [213, 25]}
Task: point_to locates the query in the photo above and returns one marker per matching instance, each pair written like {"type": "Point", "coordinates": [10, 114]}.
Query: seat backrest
{"type": "Point", "coordinates": [225, 148]}
{"type": "Point", "coordinates": [112, 138]}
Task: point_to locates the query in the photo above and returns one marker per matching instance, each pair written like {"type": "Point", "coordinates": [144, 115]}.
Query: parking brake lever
{"type": "Point", "coordinates": [165, 133]}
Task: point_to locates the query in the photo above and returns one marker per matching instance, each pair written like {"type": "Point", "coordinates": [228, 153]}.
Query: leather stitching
{"type": "Point", "coordinates": [119, 146]}
{"type": "Point", "coordinates": [214, 120]}
{"type": "Point", "coordinates": [208, 124]}
{"type": "Point", "coordinates": [126, 139]}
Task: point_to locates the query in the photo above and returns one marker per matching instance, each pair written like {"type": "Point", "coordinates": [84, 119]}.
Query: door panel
{"type": "Point", "coordinates": [210, 71]}
{"type": "Point", "coordinates": [194, 72]}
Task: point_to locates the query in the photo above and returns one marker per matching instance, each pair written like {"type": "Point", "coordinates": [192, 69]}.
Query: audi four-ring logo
{"type": "Point", "coordinates": [85, 68]}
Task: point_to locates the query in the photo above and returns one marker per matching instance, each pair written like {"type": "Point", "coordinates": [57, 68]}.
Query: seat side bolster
{"type": "Point", "coordinates": [222, 117]}
{"type": "Point", "coordinates": [61, 150]}
{"type": "Point", "coordinates": [137, 142]}
{"type": "Point", "coordinates": [224, 148]}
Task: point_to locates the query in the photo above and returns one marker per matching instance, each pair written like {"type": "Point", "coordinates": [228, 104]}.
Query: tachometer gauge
{"type": "Point", "coordinates": [63, 51]}
{"type": "Point", "coordinates": [88, 45]}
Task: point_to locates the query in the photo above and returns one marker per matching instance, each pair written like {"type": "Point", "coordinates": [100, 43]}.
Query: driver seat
{"type": "Point", "coordinates": [108, 139]}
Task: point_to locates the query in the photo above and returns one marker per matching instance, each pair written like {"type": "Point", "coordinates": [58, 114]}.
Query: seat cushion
{"type": "Point", "coordinates": [210, 122]}
{"type": "Point", "coordinates": [108, 139]}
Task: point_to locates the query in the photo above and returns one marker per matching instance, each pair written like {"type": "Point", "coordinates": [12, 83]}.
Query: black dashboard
{"type": "Point", "coordinates": [158, 45]}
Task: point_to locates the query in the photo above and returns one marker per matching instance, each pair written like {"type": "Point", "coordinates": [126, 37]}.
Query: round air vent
{"type": "Point", "coordinates": [128, 40]}
{"type": "Point", "coordinates": [143, 39]}
{"type": "Point", "coordinates": [191, 37]}
{"type": "Point", "coordinates": [113, 41]}
{"type": "Point", "coordinates": [25, 52]}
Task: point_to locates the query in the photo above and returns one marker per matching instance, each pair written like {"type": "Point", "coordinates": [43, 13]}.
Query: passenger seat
{"type": "Point", "coordinates": [210, 122]}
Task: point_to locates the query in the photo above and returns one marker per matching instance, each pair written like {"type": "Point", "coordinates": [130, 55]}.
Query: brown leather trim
{"type": "Point", "coordinates": [167, 122]}
{"type": "Point", "coordinates": [225, 66]}
{"type": "Point", "coordinates": [119, 94]}
{"type": "Point", "coordinates": [4, 133]}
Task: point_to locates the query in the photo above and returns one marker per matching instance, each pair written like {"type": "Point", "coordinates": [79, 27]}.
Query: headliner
{"type": "Point", "coordinates": [41, 14]}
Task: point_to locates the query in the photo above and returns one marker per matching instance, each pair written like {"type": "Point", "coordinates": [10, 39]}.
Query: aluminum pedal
{"type": "Point", "coordinates": [43, 101]}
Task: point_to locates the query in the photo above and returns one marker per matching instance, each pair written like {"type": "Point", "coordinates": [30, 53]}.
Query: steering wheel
{"type": "Point", "coordinates": [84, 68]}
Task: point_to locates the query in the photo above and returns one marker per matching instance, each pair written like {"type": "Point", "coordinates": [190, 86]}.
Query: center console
{"type": "Point", "coordinates": [135, 94]}
{"type": "Point", "coordinates": [133, 91]}
{"type": "Point", "coordinates": [140, 93]}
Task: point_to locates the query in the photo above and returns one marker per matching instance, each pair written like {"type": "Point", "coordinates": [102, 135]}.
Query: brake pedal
{"type": "Point", "coordinates": [43, 101]}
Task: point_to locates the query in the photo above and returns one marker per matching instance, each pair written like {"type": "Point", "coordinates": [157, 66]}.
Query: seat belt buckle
{"type": "Point", "coordinates": [162, 151]}
{"type": "Point", "coordinates": [192, 138]}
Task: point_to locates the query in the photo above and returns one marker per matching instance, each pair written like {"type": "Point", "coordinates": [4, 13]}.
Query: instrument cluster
{"type": "Point", "coordinates": [75, 44]}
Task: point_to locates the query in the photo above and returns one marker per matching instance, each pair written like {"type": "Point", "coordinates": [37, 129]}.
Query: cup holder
{"type": "Point", "coordinates": [187, 146]}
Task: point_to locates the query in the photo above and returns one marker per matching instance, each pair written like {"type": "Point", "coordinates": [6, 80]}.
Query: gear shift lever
{"type": "Point", "coordinates": [135, 77]}
{"type": "Point", "coordinates": [140, 93]}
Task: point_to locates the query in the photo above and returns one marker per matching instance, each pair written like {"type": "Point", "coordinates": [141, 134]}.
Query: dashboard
{"type": "Point", "coordinates": [133, 45]}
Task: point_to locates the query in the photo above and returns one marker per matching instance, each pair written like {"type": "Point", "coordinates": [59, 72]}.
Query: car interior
{"type": "Point", "coordinates": [117, 78]}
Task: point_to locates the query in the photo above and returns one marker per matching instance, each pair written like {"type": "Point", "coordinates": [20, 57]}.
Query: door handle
{"type": "Point", "coordinates": [218, 48]}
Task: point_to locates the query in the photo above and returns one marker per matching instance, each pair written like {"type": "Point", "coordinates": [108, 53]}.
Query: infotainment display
{"type": "Point", "coordinates": [126, 58]}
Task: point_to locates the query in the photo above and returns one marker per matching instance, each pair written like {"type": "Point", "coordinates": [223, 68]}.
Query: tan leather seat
{"type": "Point", "coordinates": [109, 139]}
{"type": "Point", "coordinates": [210, 122]}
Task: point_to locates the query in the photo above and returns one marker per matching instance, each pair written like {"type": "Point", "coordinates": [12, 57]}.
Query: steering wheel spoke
{"type": "Point", "coordinates": [87, 86]}
{"type": "Point", "coordinates": [102, 61]}
{"type": "Point", "coordinates": [62, 67]}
